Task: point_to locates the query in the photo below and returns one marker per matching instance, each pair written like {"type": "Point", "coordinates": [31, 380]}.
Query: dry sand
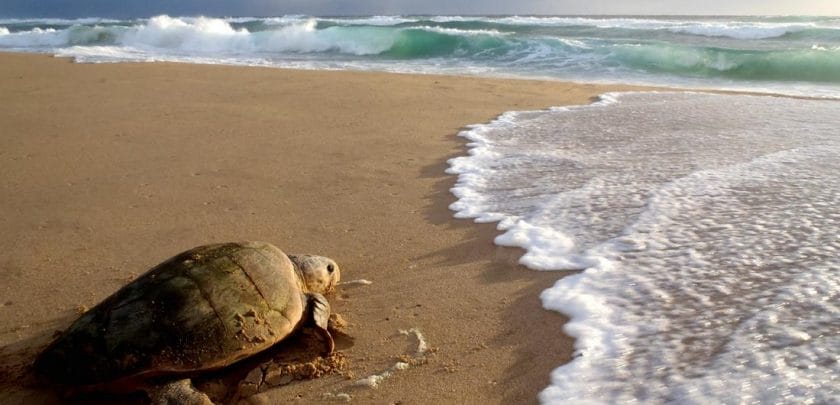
{"type": "Point", "coordinates": [106, 170]}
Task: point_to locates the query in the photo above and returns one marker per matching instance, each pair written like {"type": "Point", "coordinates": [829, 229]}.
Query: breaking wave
{"type": "Point", "coordinates": [685, 51]}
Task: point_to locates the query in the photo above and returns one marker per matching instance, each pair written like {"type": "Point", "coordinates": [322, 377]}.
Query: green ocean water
{"type": "Point", "coordinates": [773, 53]}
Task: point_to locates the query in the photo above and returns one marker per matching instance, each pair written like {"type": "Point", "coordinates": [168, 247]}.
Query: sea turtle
{"type": "Point", "coordinates": [201, 310]}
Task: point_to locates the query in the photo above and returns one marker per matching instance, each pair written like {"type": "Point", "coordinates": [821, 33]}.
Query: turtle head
{"type": "Point", "coordinates": [320, 274]}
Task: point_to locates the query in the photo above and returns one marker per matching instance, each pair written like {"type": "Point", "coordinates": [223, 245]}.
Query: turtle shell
{"type": "Point", "coordinates": [203, 309]}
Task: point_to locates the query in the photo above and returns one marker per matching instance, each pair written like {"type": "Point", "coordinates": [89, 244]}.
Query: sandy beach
{"type": "Point", "coordinates": [109, 169]}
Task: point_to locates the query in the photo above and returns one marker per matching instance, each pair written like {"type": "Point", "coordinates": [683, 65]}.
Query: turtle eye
{"type": "Point", "coordinates": [330, 268]}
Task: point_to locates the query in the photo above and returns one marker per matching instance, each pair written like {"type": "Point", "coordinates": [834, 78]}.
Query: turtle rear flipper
{"type": "Point", "coordinates": [319, 310]}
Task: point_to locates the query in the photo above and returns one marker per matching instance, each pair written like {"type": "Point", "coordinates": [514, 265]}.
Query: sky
{"type": "Point", "coordinates": [145, 8]}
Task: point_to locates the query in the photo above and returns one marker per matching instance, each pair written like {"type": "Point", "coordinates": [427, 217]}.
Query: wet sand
{"type": "Point", "coordinates": [107, 170]}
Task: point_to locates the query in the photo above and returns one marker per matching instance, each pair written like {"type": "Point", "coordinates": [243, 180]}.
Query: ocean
{"type": "Point", "coordinates": [698, 231]}
{"type": "Point", "coordinates": [794, 55]}
{"type": "Point", "coordinates": [706, 229]}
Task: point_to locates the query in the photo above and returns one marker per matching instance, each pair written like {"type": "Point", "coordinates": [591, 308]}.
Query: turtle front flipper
{"type": "Point", "coordinates": [319, 309]}
{"type": "Point", "coordinates": [179, 392]}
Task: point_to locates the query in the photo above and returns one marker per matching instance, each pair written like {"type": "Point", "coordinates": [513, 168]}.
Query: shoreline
{"type": "Point", "coordinates": [629, 86]}
{"type": "Point", "coordinates": [112, 168]}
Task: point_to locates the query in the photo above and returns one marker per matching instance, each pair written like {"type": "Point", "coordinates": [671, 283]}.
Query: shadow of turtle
{"type": "Point", "coordinates": [20, 384]}
{"type": "Point", "coordinates": [299, 357]}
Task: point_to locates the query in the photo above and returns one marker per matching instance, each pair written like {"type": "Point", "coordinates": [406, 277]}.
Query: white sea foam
{"type": "Point", "coordinates": [381, 20]}
{"type": "Point", "coordinates": [206, 35]}
{"type": "Point", "coordinates": [37, 37]}
{"type": "Point", "coordinates": [198, 35]}
{"type": "Point", "coordinates": [282, 20]}
{"type": "Point", "coordinates": [708, 235]}
{"type": "Point", "coordinates": [710, 28]}
{"type": "Point", "coordinates": [111, 54]}
{"type": "Point", "coordinates": [732, 55]}
{"type": "Point", "coordinates": [305, 38]}
{"type": "Point", "coordinates": [740, 30]}
{"type": "Point", "coordinates": [4, 31]}
{"type": "Point", "coordinates": [456, 31]}
{"type": "Point", "coordinates": [243, 20]}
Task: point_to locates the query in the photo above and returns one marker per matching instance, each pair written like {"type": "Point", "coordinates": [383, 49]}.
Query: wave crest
{"type": "Point", "coordinates": [688, 51]}
{"type": "Point", "coordinates": [199, 34]}
{"type": "Point", "coordinates": [205, 35]}
{"type": "Point", "coordinates": [813, 64]}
